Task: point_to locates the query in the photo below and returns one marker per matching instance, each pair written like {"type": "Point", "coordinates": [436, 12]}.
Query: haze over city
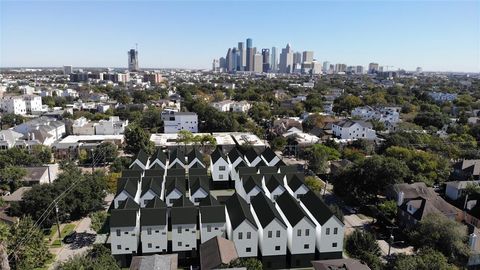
{"type": "Point", "coordinates": [438, 36]}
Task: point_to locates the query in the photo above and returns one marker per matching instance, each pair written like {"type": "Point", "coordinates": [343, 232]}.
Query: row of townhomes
{"type": "Point", "coordinates": [164, 205]}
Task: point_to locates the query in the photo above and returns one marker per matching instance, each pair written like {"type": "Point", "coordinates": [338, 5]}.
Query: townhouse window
{"type": "Point", "coordinates": [179, 244]}
{"type": "Point", "coordinates": [306, 246]}
{"type": "Point", "coordinates": [220, 176]}
{"type": "Point", "coordinates": [187, 245]}
{"type": "Point", "coordinates": [125, 232]}
{"type": "Point", "coordinates": [334, 244]}
{"type": "Point", "coordinates": [118, 232]}
{"type": "Point", "coordinates": [270, 234]}
{"type": "Point", "coordinates": [240, 236]}
{"type": "Point", "coordinates": [149, 231]}
{"type": "Point", "coordinates": [307, 232]}
{"type": "Point", "coordinates": [249, 235]}
{"type": "Point", "coordinates": [221, 168]}
{"type": "Point", "coordinates": [179, 229]}
{"type": "Point", "coordinates": [209, 228]}
{"type": "Point", "coordinates": [248, 249]}
{"type": "Point", "coordinates": [327, 232]}
{"type": "Point", "coordinates": [335, 230]}
{"type": "Point", "coordinates": [157, 231]}
{"type": "Point", "coordinates": [163, 233]}
{"type": "Point", "coordinates": [299, 232]}
{"type": "Point", "coordinates": [149, 245]}
{"type": "Point", "coordinates": [277, 247]}
{"type": "Point", "coordinates": [119, 246]}
{"type": "Point", "coordinates": [127, 248]}
{"type": "Point", "coordinates": [278, 233]}
{"type": "Point", "coordinates": [187, 230]}
{"type": "Point", "coordinates": [157, 247]}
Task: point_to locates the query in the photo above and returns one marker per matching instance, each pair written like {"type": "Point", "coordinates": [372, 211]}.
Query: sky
{"type": "Point", "coordinates": [434, 35]}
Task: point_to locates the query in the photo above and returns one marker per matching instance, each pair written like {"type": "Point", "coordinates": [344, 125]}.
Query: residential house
{"type": "Point", "coordinates": [125, 228]}
{"type": "Point", "coordinates": [8, 138]}
{"type": "Point", "coordinates": [234, 158]}
{"type": "Point", "coordinates": [219, 166]}
{"type": "Point", "coordinates": [14, 105]}
{"type": "Point", "coordinates": [112, 126]}
{"type": "Point", "coordinates": [212, 219]}
{"type": "Point", "coordinates": [456, 189]}
{"type": "Point", "coordinates": [176, 121]}
{"type": "Point", "coordinates": [251, 157]}
{"type": "Point", "coordinates": [127, 188]}
{"type": "Point", "coordinates": [195, 158]}
{"type": "Point", "coordinates": [329, 230]}
{"type": "Point", "coordinates": [241, 226]}
{"type": "Point", "coordinates": [158, 160]}
{"type": "Point", "coordinates": [389, 116]}
{"type": "Point", "coordinates": [141, 161]}
{"type": "Point", "coordinates": [468, 169]}
{"type": "Point", "coordinates": [164, 262]}
{"type": "Point", "coordinates": [174, 189]}
{"type": "Point", "coordinates": [353, 129]}
{"type": "Point", "coordinates": [151, 188]}
{"type": "Point", "coordinates": [183, 216]}
{"type": "Point", "coordinates": [82, 126]}
{"type": "Point", "coordinates": [272, 232]}
{"type": "Point", "coordinates": [154, 226]}
{"type": "Point", "coordinates": [249, 186]}
{"type": "Point", "coordinates": [273, 185]}
{"type": "Point", "coordinates": [295, 184]}
{"type": "Point", "coordinates": [300, 230]}
{"type": "Point", "coordinates": [37, 175]}
{"type": "Point", "coordinates": [177, 156]}
{"type": "Point", "coordinates": [44, 130]}
{"type": "Point", "coordinates": [269, 157]}
{"type": "Point", "coordinates": [217, 252]}
{"type": "Point", "coordinates": [199, 188]}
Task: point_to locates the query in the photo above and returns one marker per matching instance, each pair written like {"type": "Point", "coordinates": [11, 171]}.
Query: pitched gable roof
{"type": "Point", "coordinates": [183, 212]}
{"type": "Point", "coordinates": [245, 171]}
{"type": "Point", "coordinates": [317, 207]}
{"type": "Point", "coordinates": [142, 157]}
{"type": "Point", "coordinates": [250, 155]}
{"type": "Point", "coordinates": [129, 185]}
{"type": "Point", "coordinates": [125, 215]}
{"type": "Point", "coordinates": [183, 201]}
{"type": "Point", "coordinates": [291, 209]}
{"type": "Point", "coordinates": [295, 181]}
{"type": "Point", "coordinates": [172, 183]}
{"type": "Point", "coordinates": [241, 164]}
{"type": "Point", "coordinates": [176, 171]}
{"type": "Point", "coordinates": [155, 173]}
{"type": "Point", "coordinates": [195, 153]}
{"type": "Point", "coordinates": [197, 182]}
{"type": "Point", "coordinates": [234, 154]}
{"type": "Point", "coordinates": [197, 171]}
{"type": "Point", "coordinates": [153, 184]}
{"type": "Point", "coordinates": [268, 154]}
{"type": "Point", "coordinates": [160, 156]}
{"type": "Point", "coordinates": [251, 182]}
{"type": "Point", "coordinates": [265, 210]}
{"type": "Point", "coordinates": [273, 181]}
{"type": "Point", "coordinates": [208, 201]}
{"type": "Point", "coordinates": [212, 214]}
{"type": "Point", "coordinates": [238, 211]}
{"type": "Point", "coordinates": [177, 153]}
{"type": "Point", "coordinates": [154, 213]}
{"type": "Point", "coordinates": [267, 170]}
{"type": "Point", "coordinates": [217, 154]}
{"type": "Point", "coordinates": [131, 173]}
{"type": "Point", "coordinates": [217, 251]}
{"type": "Point", "coordinates": [288, 169]}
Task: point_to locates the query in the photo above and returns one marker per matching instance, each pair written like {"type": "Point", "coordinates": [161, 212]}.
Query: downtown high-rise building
{"type": "Point", "coordinates": [297, 58]}
{"type": "Point", "coordinates": [242, 52]}
{"type": "Point", "coordinates": [67, 70]}
{"type": "Point", "coordinates": [326, 67]}
{"type": "Point", "coordinates": [133, 60]}
{"type": "Point", "coordinates": [307, 56]}
{"type": "Point", "coordinates": [216, 65]}
{"type": "Point", "coordinates": [229, 60]}
{"type": "Point", "coordinates": [340, 68]}
{"type": "Point", "coordinates": [257, 63]}
{"type": "Point", "coordinates": [274, 60]}
{"type": "Point", "coordinates": [359, 70]}
{"type": "Point", "coordinates": [286, 60]}
{"type": "Point", "coordinates": [373, 68]}
{"type": "Point", "coordinates": [266, 60]}
{"type": "Point", "coordinates": [235, 59]}
{"type": "Point", "coordinates": [250, 55]}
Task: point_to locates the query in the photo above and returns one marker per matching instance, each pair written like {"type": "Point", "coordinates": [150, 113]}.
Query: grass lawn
{"type": "Point", "coordinates": [56, 243]}
{"type": "Point", "coordinates": [67, 229]}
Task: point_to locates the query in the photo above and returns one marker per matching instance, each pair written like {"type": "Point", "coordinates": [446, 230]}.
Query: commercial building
{"type": "Point", "coordinates": [67, 70]}
{"type": "Point", "coordinates": [373, 68]}
{"type": "Point", "coordinates": [286, 60]}
{"type": "Point", "coordinates": [307, 56]}
{"type": "Point", "coordinates": [257, 63]}
{"type": "Point", "coordinates": [266, 60]}
{"type": "Point", "coordinates": [274, 60]}
{"type": "Point", "coordinates": [133, 60]}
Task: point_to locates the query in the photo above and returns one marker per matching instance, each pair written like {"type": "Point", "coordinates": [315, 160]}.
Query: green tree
{"type": "Point", "coordinates": [12, 175]}
{"type": "Point", "coordinates": [313, 183]}
{"type": "Point", "coordinates": [98, 258]}
{"type": "Point", "coordinates": [120, 164]}
{"type": "Point", "coordinates": [106, 152]}
{"type": "Point", "coordinates": [363, 246]}
{"type": "Point", "coordinates": [279, 143]}
{"type": "Point", "coordinates": [98, 220]}
{"type": "Point", "coordinates": [389, 209]}
{"type": "Point", "coordinates": [138, 139]}
{"type": "Point", "coordinates": [11, 119]}
{"type": "Point", "coordinates": [43, 153]}
{"type": "Point", "coordinates": [249, 263]}
{"type": "Point", "coordinates": [346, 103]}
{"type": "Point", "coordinates": [319, 155]}
{"type": "Point", "coordinates": [425, 259]}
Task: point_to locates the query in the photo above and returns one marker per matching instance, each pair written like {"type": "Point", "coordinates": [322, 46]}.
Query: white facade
{"type": "Point", "coordinates": [125, 240]}
{"type": "Point", "coordinates": [197, 196]}
{"type": "Point", "coordinates": [301, 236]}
{"type": "Point", "coordinates": [14, 104]}
{"type": "Point", "coordinates": [220, 169]}
{"type": "Point", "coordinates": [122, 196]}
{"type": "Point", "coordinates": [154, 239]}
{"type": "Point", "coordinates": [245, 237]}
{"type": "Point", "coordinates": [82, 126]}
{"type": "Point", "coordinates": [33, 104]}
{"type": "Point", "coordinates": [172, 196]}
{"type": "Point", "coordinates": [390, 116]}
{"type": "Point", "coordinates": [211, 230]}
{"type": "Point", "coordinates": [184, 237]}
{"type": "Point", "coordinates": [176, 121]}
{"type": "Point", "coordinates": [147, 196]}
{"type": "Point", "coordinates": [272, 240]}
{"type": "Point", "coordinates": [112, 126]}
{"type": "Point", "coordinates": [354, 131]}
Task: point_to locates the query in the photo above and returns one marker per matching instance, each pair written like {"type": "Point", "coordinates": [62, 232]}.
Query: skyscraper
{"type": "Point", "coordinates": [229, 60]}
{"type": "Point", "coordinates": [274, 62]}
{"type": "Point", "coordinates": [215, 65]}
{"type": "Point", "coordinates": [132, 60]}
{"type": "Point", "coordinates": [250, 54]}
{"type": "Point", "coordinates": [307, 56]}
{"type": "Point", "coordinates": [326, 67]}
{"type": "Point", "coordinates": [242, 56]}
{"type": "Point", "coordinates": [257, 63]}
{"type": "Point", "coordinates": [286, 60]}
{"type": "Point", "coordinates": [234, 59]}
{"type": "Point", "coordinates": [372, 68]}
{"type": "Point", "coordinates": [359, 70]}
{"type": "Point", "coordinates": [266, 60]}
{"type": "Point", "coordinates": [297, 58]}
{"type": "Point", "coordinates": [67, 70]}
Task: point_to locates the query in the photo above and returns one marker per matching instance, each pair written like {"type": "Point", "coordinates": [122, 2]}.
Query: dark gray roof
{"type": "Point", "coordinates": [131, 173]}
{"type": "Point", "coordinates": [176, 171]}
{"type": "Point", "coordinates": [267, 170]}
{"type": "Point", "coordinates": [291, 209]}
{"type": "Point", "coordinates": [241, 164]}
{"type": "Point", "coordinates": [250, 154]}
{"type": "Point", "coordinates": [208, 201]}
{"type": "Point", "coordinates": [295, 181]}
{"type": "Point", "coordinates": [251, 182]}
{"type": "Point", "coordinates": [160, 155]}
{"type": "Point", "coordinates": [239, 211]}
{"type": "Point", "coordinates": [261, 164]}
{"type": "Point", "coordinates": [217, 154]}
{"type": "Point", "coordinates": [212, 214]}
{"type": "Point", "coordinates": [234, 154]}
{"type": "Point", "coordinates": [125, 215]}
{"type": "Point", "coordinates": [272, 181]}
{"type": "Point", "coordinates": [130, 185]}
{"type": "Point", "coordinates": [245, 171]}
{"type": "Point", "coordinates": [183, 212]}
{"type": "Point", "coordinates": [142, 157]}
{"type": "Point", "coordinates": [265, 210]}
{"type": "Point", "coordinates": [177, 153]}
{"type": "Point", "coordinates": [172, 183]}
{"type": "Point", "coordinates": [288, 169]}
{"type": "Point", "coordinates": [177, 166]}
{"type": "Point", "coordinates": [129, 203]}
{"type": "Point", "coordinates": [152, 183]}
{"type": "Point", "coordinates": [280, 163]}
{"type": "Point", "coordinates": [155, 172]}
{"type": "Point", "coordinates": [34, 173]}
{"type": "Point", "coordinates": [195, 153]}
{"type": "Point", "coordinates": [197, 171]}
{"type": "Point", "coordinates": [197, 182]}
{"type": "Point", "coordinates": [348, 123]}
{"type": "Point", "coordinates": [197, 165]}
{"type": "Point", "coordinates": [156, 262]}
{"type": "Point", "coordinates": [268, 154]}
{"type": "Point", "coordinates": [136, 167]}
{"type": "Point", "coordinates": [320, 211]}
{"type": "Point", "coordinates": [154, 213]}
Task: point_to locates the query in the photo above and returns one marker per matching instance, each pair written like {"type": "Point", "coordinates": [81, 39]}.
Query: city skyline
{"type": "Point", "coordinates": [438, 36]}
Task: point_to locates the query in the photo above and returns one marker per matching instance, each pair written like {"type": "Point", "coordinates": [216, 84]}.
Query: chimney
{"type": "Point", "coordinates": [400, 198]}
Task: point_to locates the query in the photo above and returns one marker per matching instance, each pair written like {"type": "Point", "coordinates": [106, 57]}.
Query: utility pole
{"type": "Point", "coordinates": [58, 221]}
{"type": "Point", "coordinates": [93, 164]}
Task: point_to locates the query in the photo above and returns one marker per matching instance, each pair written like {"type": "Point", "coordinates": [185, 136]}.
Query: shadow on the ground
{"type": "Point", "coordinates": [83, 240]}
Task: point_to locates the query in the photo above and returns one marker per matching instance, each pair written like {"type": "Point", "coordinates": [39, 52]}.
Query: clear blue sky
{"type": "Point", "coordinates": [442, 35]}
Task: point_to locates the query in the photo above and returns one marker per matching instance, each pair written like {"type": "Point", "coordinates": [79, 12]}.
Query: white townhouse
{"type": "Point", "coordinates": [151, 188]}
{"type": "Point", "coordinates": [199, 188]}
{"type": "Point", "coordinates": [241, 226]}
{"type": "Point", "coordinates": [329, 229]}
{"type": "Point", "coordinates": [252, 158]}
{"type": "Point", "coordinates": [219, 166]}
{"type": "Point", "coordinates": [249, 186]}
{"type": "Point", "coordinates": [272, 230]}
{"type": "Point", "coordinates": [234, 158]}
{"type": "Point", "coordinates": [235, 171]}
{"type": "Point", "coordinates": [183, 216]}
{"type": "Point", "coordinates": [353, 129]}
{"type": "Point", "coordinates": [273, 185]}
{"type": "Point", "coordinates": [195, 159]}
{"type": "Point", "coordinates": [174, 189]}
{"type": "Point", "coordinates": [14, 105]}
{"type": "Point", "coordinates": [33, 104]}
{"type": "Point", "coordinates": [158, 160]}
{"type": "Point", "coordinates": [300, 230]}
{"type": "Point", "coordinates": [112, 126]}
{"type": "Point", "coordinates": [269, 157]}
{"type": "Point", "coordinates": [154, 227]}
{"type": "Point", "coordinates": [125, 228]}
{"type": "Point", "coordinates": [212, 219]}
{"type": "Point", "coordinates": [176, 121]}
{"type": "Point", "coordinates": [127, 188]}
{"type": "Point", "coordinates": [177, 157]}
{"type": "Point", "coordinates": [141, 161]}
{"type": "Point", "coordinates": [295, 184]}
